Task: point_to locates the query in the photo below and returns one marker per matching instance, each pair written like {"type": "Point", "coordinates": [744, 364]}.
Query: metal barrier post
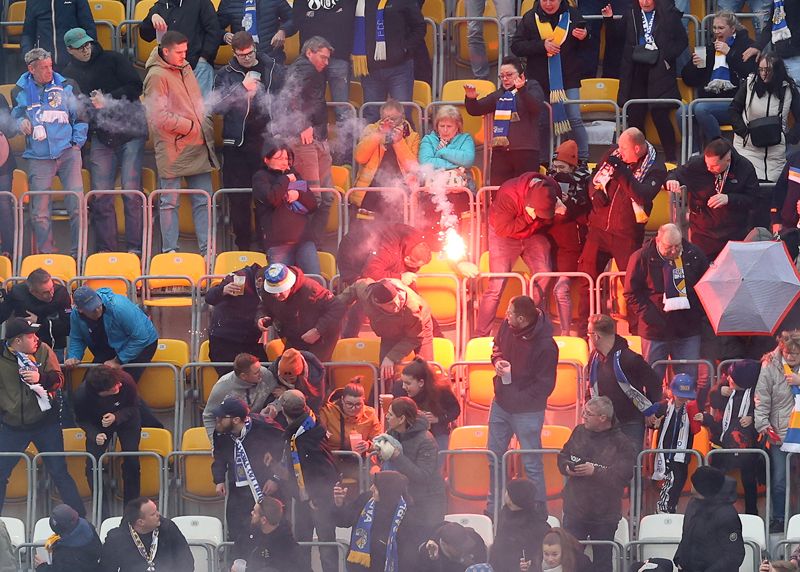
{"type": "Point", "coordinates": [178, 384]}
{"type": "Point", "coordinates": [494, 475]}
{"type": "Point", "coordinates": [152, 205]}
{"type": "Point", "coordinates": [617, 550]}
{"type": "Point", "coordinates": [341, 548]}
{"type": "Point", "coordinates": [180, 458]}
{"type": "Point", "coordinates": [218, 211]}
{"type": "Point", "coordinates": [690, 117]}
{"type": "Point", "coordinates": [503, 276]}
{"type": "Point", "coordinates": [398, 191]}
{"type": "Point", "coordinates": [29, 509]}
{"type": "Point", "coordinates": [112, 454]}
{"type": "Point", "coordinates": [598, 288]}
{"type": "Point", "coordinates": [483, 201]}
{"type": "Point", "coordinates": [52, 196]}
{"type": "Point", "coordinates": [94, 515]}
{"type": "Point", "coordinates": [659, 101]}
{"type": "Point", "coordinates": [362, 480]}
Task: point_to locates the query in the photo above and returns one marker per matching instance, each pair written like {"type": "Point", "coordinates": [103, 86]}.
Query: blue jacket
{"type": "Point", "coordinates": [460, 152]}
{"type": "Point", "coordinates": [128, 329]}
{"type": "Point", "coordinates": [55, 98]}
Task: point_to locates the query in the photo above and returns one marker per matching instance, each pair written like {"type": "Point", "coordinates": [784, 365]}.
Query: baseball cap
{"type": "Point", "coordinates": [76, 38]}
{"type": "Point", "coordinates": [683, 386]}
{"type": "Point", "coordinates": [231, 407]}
{"type": "Point", "coordinates": [278, 278]}
{"type": "Point", "coordinates": [18, 327]}
{"type": "Point", "coordinates": [382, 292]}
{"type": "Point", "coordinates": [541, 195]}
{"type": "Point", "coordinates": [86, 299]}
{"type": "Point", "coordinates": [63, 519]}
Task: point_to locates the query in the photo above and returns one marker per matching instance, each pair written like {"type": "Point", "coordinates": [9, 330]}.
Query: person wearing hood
{"type": "Point", "coordinates": [598, 461]}
{"type": "Point", "coordinates": [284, 207]}
{"type": "Point", "coordinates": [382, 536]}
{"type": "Point", "coordinates": [622, 375]}
{"type": "Point", "coordinates": [519, 217]}
{"type": "Point", "coordinates": [525, 357]}
{"type": "Point", "coordinates": [74, 545]}
{"type": "Point", "coordinates": [182, 131]}
{"type": "Point", "coordinates": [249, 381]}
{"type": "Point", "coordinates": [409, 448]}
{"type": "Point", "coordinates": [271, 545]}
{"type": "Point", "coordinates": [300, 370]}
{"type": "Point", "coordinates": [301, 311]}
{"type": "Point", "coordinates": [118, 130]}
{"type": "Point", "coordinates": [47, 113]}
{"type": "Point", "coordinates": [711, 540]}
{"type": "Point", "coordinates": [451, 548]}
{"type": "Point", "coordinates": [46, 21]}
{"type": "Point", "coordinates": [520, 529]}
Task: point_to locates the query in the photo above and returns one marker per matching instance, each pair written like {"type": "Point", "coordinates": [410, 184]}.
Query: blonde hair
{"type": "Point", "coordinates": [448, 112]}
{"type": "Point", "coordinates": [789, 340]}
{"type": "Point", "coordinates": [729, 18]}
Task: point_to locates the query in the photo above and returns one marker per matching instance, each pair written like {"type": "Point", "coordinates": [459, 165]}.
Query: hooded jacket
{"type": "Point", "coordinates": [644, 293]}
{"type": "Point", "coordinates": [90, 407]}
{"type": "Point", "coordinates": [271, 16]}
{"type": "Point", "coordinates": [311, 382]}
{"type": "Point", "coordinates": [598, 498]}
{"type": "Point", "coordinates": [524, 133]}
{"type": "Point", "coordinates": [197, 20]}
{"type": "Point", "coordinates": [319, 470]}
{"type": "Point", "coordinates": [376, 251]}
{"type": "Point", "coordinates": [120, 553]}
{"type": "Point", "coordinates": [18, 406]}
{"type": "Point", "coordinates": [232, 316]}
{"type": "Point", "coordinates": [265, 436]}
{"type": "Point", "coordinates": [507, 213]}
{"type": "Point", "coordinates": [533, 355]}
{"type": "Point", "coordinates": [230, 384]}
{"type": "Point", "coordinates": [739, 70]}
{"type": "Point", "coordinates": [45, 29]}
{"type": "Point", "coordinates": [183, 133]}
{"type": "Point", "coordinates": [308, 306]}
{"type": "Point", "coordinates": [77, 551]}
{"type": "Point", "coordinates": [128, 329]}
{"type": "Point", "coordinates": [774, 397]}
{"type": "Point", "coordinates": [280, 223]}
{"type": "Point", "coordinates": [53, 317]}
{"type": "Point", "coordinates": [339, 426]}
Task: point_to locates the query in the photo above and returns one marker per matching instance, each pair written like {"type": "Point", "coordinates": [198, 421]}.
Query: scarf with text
{"type": "Point", "coordinates": [680, 439]}
{"type": "Point", "coordinates": [27, 363]}
{"type": "Point", "coordinates": [504, 113]}
{"type": "Point", "coordinates": [744, 407]}
{"type": "Point", "coordinates": [556, 34]}
{"type": "Point", "coordinates": [721, 74]}
{"type": "Point", "coordinates": [307, 425]}
{"type": "Point", "coordinates": [675, 297]}
{"type": "Point", "coordinates": [791, 444]}
{"type": "Point", "coordinates": [361, 540]}
{"type": "Point", "coordinates": [245, 476]}
{"type": "Point", "coordinates": [780, 29]}
{"type": "Point", "coordinates": [644, 405]}
{"type": "Point", "coordinates": [250, 19]}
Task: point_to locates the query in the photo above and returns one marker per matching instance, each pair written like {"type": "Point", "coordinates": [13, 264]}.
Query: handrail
{"type": "Point", "coordinates": [392, 190]}
{"type": "Point", "coordinates": [151, 205]}
{"type": "Point", "coordinates": [52, 195]}
{"type": "Point", "coordinates": [494, 467]}
{"type": "Point", "coordinates": [682, 115]}
{"type": "Point", "coordinates": [95, 484]}
{"type": "Point", "coordinates": [114, 454]}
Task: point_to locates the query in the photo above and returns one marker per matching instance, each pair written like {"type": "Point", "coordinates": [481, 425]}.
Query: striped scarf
{"type": "Point", "coordinates": [307, 425]}
{"type": "Point", "coordinates": [250, 19]}
{"type": "Point", "coordinates": [721, 74]}
{"type": "Point", "coordinates": [244, 474]}
{"type": "Point", "coordinates": [780, 30]}
{"type": "Point", "coordinates": [558, 95]}
{"type": "Point", "coordinates": [361, 539]}
{"type": "Point", "coordinates": [675, 297]}
{"type": "Point", "coordinates": [504, 113]}
{"type": "Point", "coordinates": [359, 57]}
{"type": "Point", "coordinates": [791, 443]}
{"type": "Point", "coordinates": [644, 405]}
{"type": "Point", "coordinates": [680, 440]}
{"type": "Point", "coordinates": [26, 362]}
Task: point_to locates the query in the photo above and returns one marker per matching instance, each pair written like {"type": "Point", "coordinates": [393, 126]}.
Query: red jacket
{"type": "Point", "coordinates": [507, 214]}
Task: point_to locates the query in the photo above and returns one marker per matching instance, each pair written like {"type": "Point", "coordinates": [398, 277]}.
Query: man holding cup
{"type": "Point", "coordinates": [525, 357]}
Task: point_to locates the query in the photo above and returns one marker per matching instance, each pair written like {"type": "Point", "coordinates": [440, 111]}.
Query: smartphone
{"type": "Point", "coordinates": [581, 25]}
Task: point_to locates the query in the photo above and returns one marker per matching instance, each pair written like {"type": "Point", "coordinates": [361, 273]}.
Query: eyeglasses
{"type": "Point", "coordinates": [246, 55]}
{"type": "Point", "coordinates": [764, 70]}
{"type": "Point", "coordinates": [353, 405]}
{"type": "Point", "coordinates": [84, 48]}
{"type": "Point", "coordinates": [507, 75]}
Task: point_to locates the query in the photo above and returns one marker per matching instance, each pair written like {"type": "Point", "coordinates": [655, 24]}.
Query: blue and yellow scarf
{"type": "Point", "coordinates": [307, 425]}
{"type": "Point", "coordinates": [504, 113]}
{"type": "Point", "coordinates": [359, 57]}
{"type": "Point", "coordinates": [780, 30]}
{"type": "Point", "coordinates": [791, 444]}
{"type": "Point", "coordinates": [360, 541]}
{"type": "Point", "coordinates": [558, 95]}
{"type": "Point", "coordinates": [721, 74]}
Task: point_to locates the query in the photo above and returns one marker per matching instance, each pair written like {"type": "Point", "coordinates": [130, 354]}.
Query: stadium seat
{"type": "Point", "coordinates": [479, 379]}
{"type": "Point", "coordinates": [17, 489]}
{"type": "Point", "coordinates": [60, 266]}
{"type": "Point", "coordinates": [327, 265]}
{"type": "Point", "coordinates": [108, 15]}
{"type": "Point", "coordinates": [108, 525]}
{"type": "Point", "coordinates": [188, 266]}
{"type": "Point", "coordinates": [753, 529]}
{"type": "Point", "coordinates": [208, 375]}
{"type": "Point", "coordinates": [231, 261]}
{"type": "Point", "coordinates": [143, 49]}
{"type": "Point", "coordinates": [453, 91]}
{"type": "Point", "coordinates": [205, 531]}
{"type": "Point", "coordinates": [512, 287]}
{"type": "Point", "coordinates": [6, 268]}
{"type": "Point", "coordinates": [15, 13]}
{"type": "Point", "coordinates": [634, 343]}
{"type": "Point", "coordinates": [123, 264]}
{"type": "Point", "coordinates": [444, 353]}
{"type": "Point", "coordinates": [573, 357]}
{"type": "Point", "coordinates": [661, 213]}
{"type": "Point", "coordinates": [41, 532]}
{"type": "Point", "coordinates": [553, 521]}
{"type": "Point", "coordinates": [156, 441]}
{"type": "Point", "coordinates": [659, 535]}
{"type": "Point", "coordinates": [16, 530]}
{"type": "Point", "coordinates": [490, 34]}
{"type": "Point", "coordinates": [440, 286]}
{"type": "Point", "coordinates": [195, 470]}
{"type": "Point", "coordinates": [480, 523]}
{"type": "Point", "coordinates": [599, 88]}
{"type": "Point", "coordinates": [158, 386]}
{"type": "Point", "coordinates": [354, 350]}
{"type": "Point", "coordinates": [468, 475]}
{"type": "Point", "coordinates": [553, 437]}
{"type": "Point", "coordinates": [75, 440]}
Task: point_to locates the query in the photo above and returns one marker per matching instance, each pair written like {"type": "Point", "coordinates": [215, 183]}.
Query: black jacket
{"type": "Point", "coordinates": [518, 532]}
{"type": "Point", "coordinates": [448, 405]}
{"type": "Point", "coordinates": [245, 119]}
{"type": "Point", "coordinates": [670, 37]}
{"type": "Point", "coordinates": [304, 97]}
{"type": "Point", "coordinates": [112, 73]}
{"type": "Point", "coordinates": [197, 21]}
{"type": "Point", "coordinates": [232, 316]}
{"type": "Point", "coordinates": [712, 537]}
{"type": "Point", "coordinates": [639, 374]}
{"type": "Point", "coordinates": [527, 43]}
{"type": "Point", "coordinates": [785, 48]}
{"type": "Point", "coordinates": [265, 436]}
{"type": "Point", "coordinates": [737, 437]}
{"type": "Point", "coordinates": [271, 16]}
{"type": "Point", "coordinates": [308, 306]}
{"type": "Point", "coordinates": [319, 470]}
{"type": "Point", "coordinates": [53, 316]}
{"type": "Point", "coordinates": [121, 555]}
{"type": "Point", "coordinates": [78, 551]}
{"type": "Point", "coordinates": [699, 77]}
{"type": "Point", "coordinates": [612, 210]}
{"type": "Point", "coordinates": [277, 222]}
{"type": "Point", "coordinates": [533, 355]}
{"type": "Point", "coordinates": [598, 498]}
{"type": "Point", "coordinates": [46, 30]}
{"type": "Point", "coordinates": [90, 408]}
{"type": "Point", "coordinates": [644, 292]}
{"type": "Point", "coordinates": [522, 134]}
{"type": "Point", "coordinates": [568, 231]}
{"type": "Point", "coordinates": [277, 551]}
{"type": "Point", "coordinates": [333, 20]}
{"type": "Point", "coordinates": [8, 126]}
{"type": "Point", "coordinates": [712, 228]}
{"type": "Point", "coordinates": [404, 29]}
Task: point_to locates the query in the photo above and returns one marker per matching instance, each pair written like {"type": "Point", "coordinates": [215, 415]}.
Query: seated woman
{"type": "Point", "coordinates": [718, 74]}
{"type": "Point", "coordinates": [387, 157]}
{"type": "Point", "coordinates": [283, 204]}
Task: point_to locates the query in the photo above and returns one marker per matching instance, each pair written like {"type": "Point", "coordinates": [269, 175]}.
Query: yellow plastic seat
{"type": "Point", "coordinates": [490, 33]}
{"type": "Point", "coordinates": [341, 178]}
{"type": "Point", "coordinates": [75, 440]}
{"type": "Point", "coordinates": [355, 350]}
{"type": "Point", "coordinates": [468, 476]}
{"type": "Point", "coordinates": [512, 288]}
{"type": "Point", "coordinates": [15, 13]}
{"type": "Point", "coordinates": [143, 49]}
{"type": "Point", "coordinates": [17, 489]}
{"type": "Point", "coordinates": [435, 10]}
{"type": "Point", "coordinates": [16, 143]}
{"type": "Point", "coordinates": [208, 374]}
{"type": "Point", "coordinates": [188, 264]}
{"type": "Point", "coordinates": [123, 264]}
{"type": "Point", "coordinates": [479, 378]}
{"type": "Point", "coordinates": [327, 265]}
{"type": "Point", "coordinates": [553, 437]}
{"type": "Point", "coordinates": [422, 96]}
{"type": "Point", "coordinates": [74, 376]}
{"type": "Point", "coordinates": [111, 11]}
{"type": "Point", "coordinates": [440, 292]}
{"type": "Point", "coordinates": [453, 90]}
{"type": "Point", "coordinates": [231, 261]}
{"type": "Point", "coordinates": [157, 384]}
{"type": "Point", "coordinates": [661, 213]}
{"type": "Point", "coordinates": [6, 268]}
{"type": "Point", "coordinates": [153, 440]}
{"type": "Point", "coordinates": [198, 483]}
{"type": "Point", "coordinates": [59, 266]}
{"type": "Point", "coordinates": [599, 88]}
{"type": "Point", "coordinates": [444, 352]}
{"type": "Point", "coordinates": [291, 48]}
{"type": "Point", "coordinates": [634, 343]}
{"type": "Point", "coordinates": [568, 376]}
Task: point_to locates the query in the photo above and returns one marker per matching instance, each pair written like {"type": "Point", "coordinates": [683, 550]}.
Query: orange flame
{"type": "Point", "coordinates": [454, 246]}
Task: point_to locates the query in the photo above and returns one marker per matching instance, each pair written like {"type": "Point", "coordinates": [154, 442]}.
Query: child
{"type": "Point", "coordinates": [520, 528]}
{"type": "Point", "coordinates": [678, 424]}
{"type": "Point", "coordinates": [731, 425]}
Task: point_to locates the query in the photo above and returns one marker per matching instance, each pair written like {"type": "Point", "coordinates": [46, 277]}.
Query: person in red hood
{"type": "Point", "coordinates": [518, 219]}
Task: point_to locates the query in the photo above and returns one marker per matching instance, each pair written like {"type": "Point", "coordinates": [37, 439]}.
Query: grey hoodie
{"type": "Point", "coordinates": [230, 384]}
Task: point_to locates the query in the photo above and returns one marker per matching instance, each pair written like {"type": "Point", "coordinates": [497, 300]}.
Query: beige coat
{"type": "Point", "coordinates": [774, 397]}
{"type": "Point", "coordinates": [183, 133]}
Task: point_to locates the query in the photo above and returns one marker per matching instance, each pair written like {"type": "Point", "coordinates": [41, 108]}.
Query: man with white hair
{"type": "Point", "coordinates": [662, 304]}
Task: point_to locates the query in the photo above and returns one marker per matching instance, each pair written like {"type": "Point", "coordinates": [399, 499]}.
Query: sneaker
{"type": "Point", "coordinates": [776, 526]}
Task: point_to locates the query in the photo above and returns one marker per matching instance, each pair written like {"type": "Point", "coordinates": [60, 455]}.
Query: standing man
{"type": "Point", "coordinates": [623, 376]}
{"type": "Point", "coordinates": [268, 22]}
{"type": "Point", "coordinates": [664, 308]}
{"type": "Point", "coordinates": [145, 541]}
{"type": "Point", "coordinates": [598, 462]}
{"type": "Point", "coordinates": [244, 447]}
{"type": "Point", "coordinates": [46, 21]}
{"type": "Point", "coordinates": [519, 218]}
{"type": "Point", "coordinates": [183, 134]}
{"type": "Point", "coordinates": [722, 188]}
{"type": "Point", "coordinates": [119, 131]}
{"type": "Point", "coordinates": [31, 383]}
{"type": "Point", "coordinates": [197, 22]}
{"type": "Point", "coordinates": [43, 302]}
{"type": "Point", "coordinates": [525, 358]}
{"type": "Point", "coordinates": [242, 87]}
{"type": "Point", "coordinates": [46, 111]}
{"type": "Point", "coordinates": [624, 183]}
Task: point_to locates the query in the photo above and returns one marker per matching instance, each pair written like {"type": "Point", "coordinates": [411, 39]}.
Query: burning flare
{"type": "Point", "coordinates": [454, 246]}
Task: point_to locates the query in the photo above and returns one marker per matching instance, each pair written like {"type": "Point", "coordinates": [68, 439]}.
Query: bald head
{"type": "Point", "coordinates": [669, 241]}
{"type": "Point", "coordinates": [632, 145]}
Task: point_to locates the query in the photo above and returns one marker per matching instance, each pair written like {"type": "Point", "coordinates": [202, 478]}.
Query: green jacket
{"type": "Point", "coordinates": [18, 405]}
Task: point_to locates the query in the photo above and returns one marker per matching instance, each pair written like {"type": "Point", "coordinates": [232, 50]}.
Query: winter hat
{"type": "Point", "coordinates": [86, 299]}
{"type": "Point", "coordinates": [567, 152]}
{"type": "Point", "coordinates": [745, 373]}
{"type": "Point", "coordinates": [708, 481]}
{"type": "Point", "coordinates": [683, 386]}
{"type": "Point", "coordinates": [292, 402]}
{"type": "Point", "coordinates": [386, 446]}
{"type": "Point", "coordinates": [391, 486]}
{"type": "Point", "coordinates": [522, 493]}
{"type": "Point", "coordinates": [63, 519]}
{"type": "Point", "coordinates": [541, 195]}
{"type": "Point", "coordinates": [278, 278]}
{"type": "Point", "coordinates": [383, 292]}
{"type": "Point", "coordinates": [292, 362]}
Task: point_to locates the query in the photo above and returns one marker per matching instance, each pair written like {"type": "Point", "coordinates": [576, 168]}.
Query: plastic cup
{"type": "Point", "coordinates": [355, 440]}
{"type": "Point", "coordinates": [386, 400]}
{"type": "Point", "coordinates": [239, 281]}
{"type": "Point", "coordinates": [701, 53]}
{"type": "Point", "coordinates": [505, 372]}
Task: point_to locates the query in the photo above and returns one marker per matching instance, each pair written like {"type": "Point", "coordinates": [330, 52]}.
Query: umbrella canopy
{"type": "Point", "coordinates": [749, 288]}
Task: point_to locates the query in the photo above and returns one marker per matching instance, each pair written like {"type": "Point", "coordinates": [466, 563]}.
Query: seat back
{"type": "Point", "coordinates": [107, 525]}
{"type": "Point", "coordinates": [353, 350]}
{"type": "Point", "coordinates": [15, 13]}
{"type": "Point", "coordinates": [480, 523]}
{"type": "Point", "coordinates": [231, 261]}
{"type": "Point", "coordinates": [468, 476]}
{"type": "Point", "coordinates": [184, 263]}
{"type": "Point", "coordinates": [661, 527]}
{"type": "Point", "coordinates": [512, 287]}
{"type": "Point", "coordinates": [568, 376]}
{"type": "Point", "coordinates": [41, 532]}
{"type": "Point", "coordinates": [201, 529]}
{"type": "Point", "coordinates": [143, 48]}
{"type": "Point", "coordinates": [157, 384]}
{"type": "Point", "coordinates": [553, 437]}
{"type": "Point", "coordinates": [6, 268]}
{"type": "Point", "coordinates": [480, 378]}
{"type": "Point", "coordinates": [453, 90]}
{"type": "Point", "coordinates": [124, 264]}
{"type": "Point", "coordinates": [327, 265]}
{"type": "Point", "coordinates": [599, 88]}
{"type": "Point", "coordinates": [15, 528]}
{"type": "Point", "coordinates": [75, 440]}
{"type": "Point", "coordinates": [110, 11]}
{"type": "Point", "coordinates": [208, 375]}
{"type": "Point", "coordinates": [197, 480]}
{"type": "Point", "coordinates": [152, 440]}
{"type": "Point", "coordinates": [634, 343]}
{"type": "Point", "coordinates": [59, 266]}
{"type": "Point", "coordinates": [441, 292]}
{"type": "Point", "coordinates": [753, 530]}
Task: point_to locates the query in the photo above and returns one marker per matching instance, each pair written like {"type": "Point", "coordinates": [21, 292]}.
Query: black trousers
{"type": "Point", "coordinates": [601, 559]}
{"type": "Point", "coordinates": [220, 349]}
{"type": "Point", "coordinates": [306, 520]}
{"type": "Point", "coordinates": [239, 166]}
{"type": "Point", "coordinates": [659, 113]}
{"type": "Point", "coordinates": [237, 514]}
{"type": "Point", "coordinates": [129, 435]}
{"type": "Point", "coordinates": [749, 465]}
{"type": "Point", "coordinates": [507, 164]}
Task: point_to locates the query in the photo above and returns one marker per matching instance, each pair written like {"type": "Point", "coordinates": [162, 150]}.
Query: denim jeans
{"type": "Point", "coordinates": [338, 72]}
{"type": "Point", "coordinates": [168, 211]}
{"type": "Point", "coordinates": [477, 47]}
{"type": "Point", "coordinates": [103, 162]}
{"type": "Point", "coordinates": [6, 217]}
{"type": "Point", "coordinates": [708, 116]}
{"type": "Point", "coordinates": [204, 73]}
{"type": "Point", "coordinates": [760, 7]}
{"type": "Point", "coordinates": [563, 296]}
{"type": "Point", "coordinates": [777, 467]}
{"type": "Point", "coordinates": [503, 253]}
{"type": "Point", "coordinates": [528, 429]}
{"type": "Point", "coordinates": [679, 348]}
{"type": "Point", "coordinates": [302, 254]}
{"type": "Point", "coordinates": [576, 122]}
{"type": "Point", "coordinates": [48, 439]}
{"type": "Point", "coordinates": [41, 173]}
{"type": "Point", "coordinates": [634, 430]}
{"type": "Point", "coordinates": [396, 82]}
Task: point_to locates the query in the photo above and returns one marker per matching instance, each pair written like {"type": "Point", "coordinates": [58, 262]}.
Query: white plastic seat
{"type": "Point", "coordinates": [201, 530]}
{"type": "Point", "coordinates": [753, 530]}
{"type": "Point", "coordinates": [660, 527]}
{"type": "Point", "coordinates": [343, 534]}
{"type": "Point", "coordinates": [41, 532]}
{"type": "Point", "coordinates": [15, 528]}
{"type": "Point", "coordinates": [553, 521]}
{"type": "Point", "coordinates": [107, 525]}
{"type": "Point", "coordinates": [480, 523]}
{"type": "Point", "coordinates": [622, 535]}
